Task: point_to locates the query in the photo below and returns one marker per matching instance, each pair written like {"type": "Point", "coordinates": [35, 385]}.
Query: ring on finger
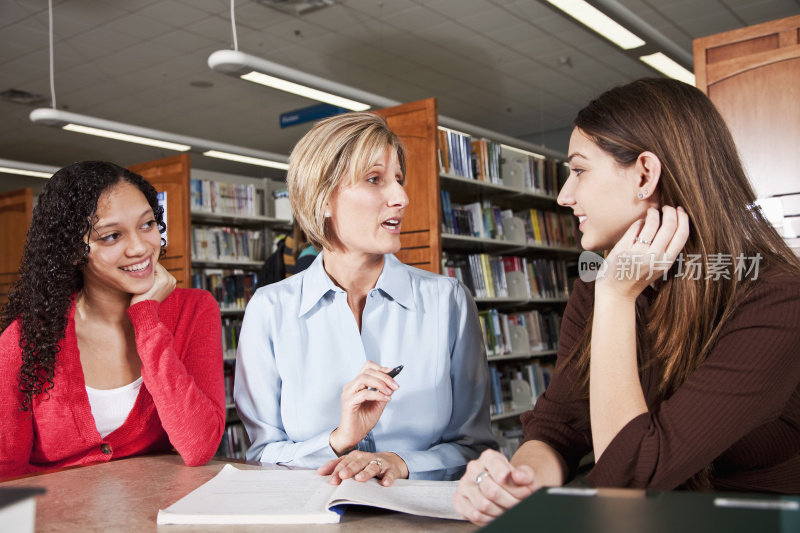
{"type": "Point", "coordinates": [378, 462]}
{"type": "Point", "coordinates": [480, 477]}
{"type": "Point", "coordinates": [643, 241]}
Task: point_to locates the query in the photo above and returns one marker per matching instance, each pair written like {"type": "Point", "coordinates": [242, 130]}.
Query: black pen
{"type": "Point", "coordinates": [391, 373]}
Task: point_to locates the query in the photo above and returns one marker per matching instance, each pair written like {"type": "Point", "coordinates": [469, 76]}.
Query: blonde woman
{"type": "Point", "coordinates": [312, 378]}
{"type": "Point", "coordinates": [678, 368]}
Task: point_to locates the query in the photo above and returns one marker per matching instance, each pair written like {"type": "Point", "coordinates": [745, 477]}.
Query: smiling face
{"type": "Point", "coordinates": [602, 194]}
{"type": "Point", "coordinates": [366, 214]}
{"type": "Point", "coordinates": [124, 243]}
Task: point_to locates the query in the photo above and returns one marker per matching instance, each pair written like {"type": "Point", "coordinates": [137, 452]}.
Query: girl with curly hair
{"type": "Point", "coordinates": [101, 357]}
{"type": "Point", "coordinates": [678, 368]}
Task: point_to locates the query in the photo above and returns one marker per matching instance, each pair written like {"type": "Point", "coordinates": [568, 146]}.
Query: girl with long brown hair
{"type": "Point", "coordinates": [678, 365]}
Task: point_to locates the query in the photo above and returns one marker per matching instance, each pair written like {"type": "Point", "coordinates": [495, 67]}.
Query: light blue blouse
{"type": "Point", "coordinates": [300, 344]}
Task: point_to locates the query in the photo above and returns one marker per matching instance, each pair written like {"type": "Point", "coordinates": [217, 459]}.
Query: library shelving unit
{"type": "Point", "coordinates": [16, 210]}
{"type": "Point", "coordinates": [220, 229]}
{"type": "Point", "coordinates": [483, 209]}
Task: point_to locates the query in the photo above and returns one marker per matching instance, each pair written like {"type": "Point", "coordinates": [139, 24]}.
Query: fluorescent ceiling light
{"type": "Point", "coordinates": [246, 159]}
{"type": "Point", "coordinates": [127, 138]}
{"type": "Point", "coordinates": [22, 168]}
{"type": "Point", "coordinates": [162, 139]}
{"type": "Point", "coordinates": [302, 90]}
{"type": "Point", "coordinates": [668, 67]}
{"type": "Point", "coordinates": [598, 21]}
{"type": "Point", "coordinates": [259, 70]}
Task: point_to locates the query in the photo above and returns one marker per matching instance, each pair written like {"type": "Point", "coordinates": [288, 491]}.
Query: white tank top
{"type": "Point", "coordinates": [110, 407]}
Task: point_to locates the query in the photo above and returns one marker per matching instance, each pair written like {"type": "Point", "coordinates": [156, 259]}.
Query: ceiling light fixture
{"type": "Point", "coordinates": [598, 21]}
{"type": "Point", "coordinates": [259, 70]}
{"type": "Point", "coordinates": [161, 139]}
{"type": "Point", "coordinates": [22, 168]}
{"type": "Point", "coordinates": [668, 67]}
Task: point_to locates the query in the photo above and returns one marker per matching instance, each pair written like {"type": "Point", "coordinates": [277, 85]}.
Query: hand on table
{"type": "Point", "coordinates": [164, 283]}
{"type": "Point", "coordinates": [492, 485]}
{"type": "Point", "coordinates": [362, 466]}
{"type": "Point", "coordinates": [362, 407]}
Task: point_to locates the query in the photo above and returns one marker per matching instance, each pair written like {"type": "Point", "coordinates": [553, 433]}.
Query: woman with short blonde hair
{"type": "Point", "coordinates": [316, 373]}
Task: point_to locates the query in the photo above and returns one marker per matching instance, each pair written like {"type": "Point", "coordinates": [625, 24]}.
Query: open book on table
{"type": "Point", "coordinates": [301, 497]}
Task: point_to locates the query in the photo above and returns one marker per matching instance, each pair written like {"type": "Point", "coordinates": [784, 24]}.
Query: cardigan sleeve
{"type": "Point", "coordinates": [16, 425]}
{"type": "Point", "coordinates": [560, 417]}
{"type": "Point", "coordinates": [744, 383]}
{"type": "Point", "coordinates": [183, 372]}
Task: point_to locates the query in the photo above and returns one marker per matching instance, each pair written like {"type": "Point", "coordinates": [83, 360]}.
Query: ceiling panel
{"type": "Point", "coordinates": [516, 66]}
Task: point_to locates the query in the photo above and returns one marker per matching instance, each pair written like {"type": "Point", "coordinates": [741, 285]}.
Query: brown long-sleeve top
{"type": "Point", "coordinates": [740, 409]}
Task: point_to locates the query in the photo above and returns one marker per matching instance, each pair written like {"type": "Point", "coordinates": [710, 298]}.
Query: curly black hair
{"type": "Point", "coordinates": [56, 251]}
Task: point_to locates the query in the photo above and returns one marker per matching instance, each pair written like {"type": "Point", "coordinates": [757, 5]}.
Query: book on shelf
{"type": "Point", "coordinates": [506, 378]}
{"type": "Point", "coordinates": [508, 276]}
{"type": "Point", "coordinates": [210, 196]}
{"type": "Point", "coordinates": [234, 443]}
{"type": "Point", "coordinates": [231, 328]}
{"type": "Point", "coordinates": [231, 288]}
{"type": "Point", "coordinates": [264, 496]}
{"type": "Point", "coordinates": [523, 333]}
{"type": "Point", "coordinates": [223, 243]}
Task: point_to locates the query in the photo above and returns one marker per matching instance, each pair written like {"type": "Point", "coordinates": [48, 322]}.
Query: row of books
{"type": "Point", "coordinates": [489, 221]}
{"type": "Point", "coordinates": [225, 198]}
{"type": "Point", "coordinates": [549, 227]}
{"type": "Point", "coordinates": [519, 333]}
{"type": "Point", "coordinates": [523, 170]}
{"type": "Point", "coordinates": [229, 371]}
{"type": "Point", "coordinates": [515, 387]}
{"type": "Point", "coordinates": [231, 328]}
{"type": "Point", "coordinates": [508, 276]}
{"type": "Point", "coordinates": [475, 219]}
{"type": "Point", "coordinates": [483, 160]}
{"type": "Point", "coordinates": [231, 288]}
{"type": "Point", "coordinates": [234, 442]}
{"type": "Point", "coordinates": [221, 243]}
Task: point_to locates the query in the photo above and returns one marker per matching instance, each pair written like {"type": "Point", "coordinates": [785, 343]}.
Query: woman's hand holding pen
{"type": "Point", "coordinates": [363, 401]}
{"type": "Point", "coordinates": [647, 249]}
{"type": "Point", "coordinates": [362, 466]}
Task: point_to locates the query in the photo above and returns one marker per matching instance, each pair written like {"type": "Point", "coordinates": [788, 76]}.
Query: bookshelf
{"type": "Point", "coordinates": [525, 247]}
{"type": "Point", "coordinates": [16, 210]}
{"type": "Point", "coordinates": [220, 229]}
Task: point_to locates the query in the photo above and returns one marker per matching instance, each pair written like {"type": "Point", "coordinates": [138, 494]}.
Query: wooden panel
{"type": "Point", "coordinates": [415, 123]}
{"type": "Point", "coordinates": [16, 209]}
{"type": "Point", "coordinates": [760, 108]}
{"type": "Point", "coordinates": [171, 175]}
{"type": "Point", "coordinates": [752, 75]}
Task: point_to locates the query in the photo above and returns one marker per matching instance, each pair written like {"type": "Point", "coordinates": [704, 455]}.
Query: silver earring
{"type": "Point", "coordinates": [327, 214]}
{"type": "Point", "coordinates": [642, 195]}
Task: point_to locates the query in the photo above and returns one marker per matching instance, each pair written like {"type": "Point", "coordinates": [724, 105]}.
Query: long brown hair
{"type": "Point", "coordinates": [700, 171]}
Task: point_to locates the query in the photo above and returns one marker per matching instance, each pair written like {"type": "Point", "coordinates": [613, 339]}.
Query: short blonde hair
{"type": "Point", "coordinates": [342, 146]}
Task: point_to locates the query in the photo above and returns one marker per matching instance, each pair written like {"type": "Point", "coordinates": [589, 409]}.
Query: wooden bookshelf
{"type": "Point", "coordinates": [16, 210]}
{"type": "Point", "coordinates": [424, 242]}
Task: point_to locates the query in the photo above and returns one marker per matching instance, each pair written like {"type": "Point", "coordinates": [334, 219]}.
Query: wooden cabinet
{"type": "Point", "coordinates": [16, 210]}
{"type": "Point", "coordinates": [753, 77]}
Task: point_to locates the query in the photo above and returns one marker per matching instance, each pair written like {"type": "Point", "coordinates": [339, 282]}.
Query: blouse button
{"type": "Point", "coordinates": [106, 449]}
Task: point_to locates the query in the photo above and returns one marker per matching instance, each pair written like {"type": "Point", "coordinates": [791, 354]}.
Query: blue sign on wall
{"type": "Point", "coordinates": [309, 114]}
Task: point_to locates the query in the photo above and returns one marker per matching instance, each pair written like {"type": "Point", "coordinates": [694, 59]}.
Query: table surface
{"type": "Point", "coordinates": [125, 495]}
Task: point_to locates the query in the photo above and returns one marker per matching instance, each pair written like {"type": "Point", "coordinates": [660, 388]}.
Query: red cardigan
{"type": "Point", "coordinates": [181, 403]}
